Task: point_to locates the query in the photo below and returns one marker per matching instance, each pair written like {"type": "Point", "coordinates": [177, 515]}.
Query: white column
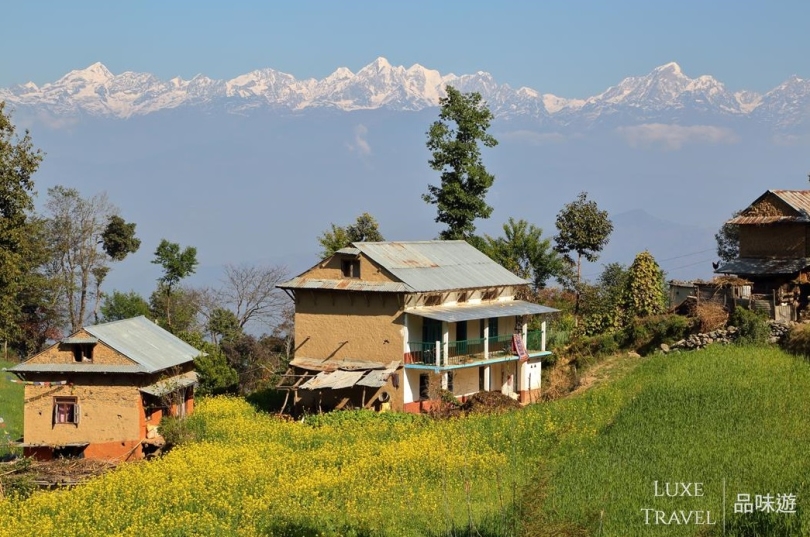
{"type": "Point", "coordinates": [438, 354]}
{"type": "Point", "coordinates": [446, 340]}
{"type": "Point", "coordinates": [525, 332]}
{"type": "Point", "coordinates": [543, 336]}
{"type": "Point", "coordinates": [486, 339]}
{"type": "Point", "coordinates": [487, 378]}
{"type": "Point", "coordinates": [405, 347]}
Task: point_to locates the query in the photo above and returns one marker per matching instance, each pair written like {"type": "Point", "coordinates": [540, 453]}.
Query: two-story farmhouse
{"type": "Point", "coordinates": [102, 392]}
{"type": "Point", "coordinates": [774, 234]}
{"type": "Point", "coordinates": [390, 324]}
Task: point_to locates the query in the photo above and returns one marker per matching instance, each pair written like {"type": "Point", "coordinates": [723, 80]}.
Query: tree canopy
{"type": "Point", "coordinates": [19, 160]}
{"type": "Point", "coordinates": [177, 264]}
{"type": "Point", "coordinates": [454, 141]}
{"type": "Point", "coordinates": [364, 229]}
{"type": "Point", "coordinates": [728, 240]}
{"type": "Point", "coordinates": [643, 288]}
{"type": "Point", "coordinates": [523, 251]}
{"type": "Point", "coordinates": [583, 229]}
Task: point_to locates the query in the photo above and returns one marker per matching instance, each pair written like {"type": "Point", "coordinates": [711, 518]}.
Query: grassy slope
{"type": "Point", "coordinates": [725, 414]}
{"type": "Point", "coordinates": [11, 407]}
{"type": "Point", "coordinates": [580, 466]}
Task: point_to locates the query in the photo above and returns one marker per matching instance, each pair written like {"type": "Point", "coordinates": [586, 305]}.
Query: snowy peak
{"type": "Point", "coordinates": [665, 92]}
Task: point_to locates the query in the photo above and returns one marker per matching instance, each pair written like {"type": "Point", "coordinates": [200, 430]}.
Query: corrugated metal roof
{"type": "Point", "coordinates": [485, 310]}
{"type": "Point", "coordinates": [335, 380]}
{"type": "Point", "coordinates": [321, 364]}
{"type": "Point", "coordinates": [749, 220]}
{"type": "Point", "coordinates": [376, 379]}
{"type": "Point", "coordinates": [753, 267]}
{"type": "Point", "coordinates": [438, 265]}
{"type": "Point", "coordinates": [346, 284]}
{"type": "Point", "coordinates": [798, 199]}
{"type": "Point", "coordinates": [144, 342]}
{"type": "Point", "coordinates": [78, 367]}
{"type": "Point", "coordinates": [171, 384]}
{"type": "Point", "coordinates": [73, 340]}
{"type": "Point", "coordinates": [349, 250]}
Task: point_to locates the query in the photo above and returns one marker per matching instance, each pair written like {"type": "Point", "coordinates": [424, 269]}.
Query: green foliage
{"type": "Point", "coordinates": [18, 163]}
{"type": "Point", "coordinates": [177, 264]}
{"type": "Point", "coordinates": [118, 238]}
{"type": "Point", "coordinates": [223, 325]}
{"type": "Point", "coordinates": [524, 252]}
{"type": "Point", "coordinates": [215, 375]}
{"type": "Point", "coordinates": [121, 305]}
{"type": "Point", "coordinates": [583, 229]}
{"type": "Point", "coordinates": [177, 431]}
{"type": "Point", "coordinates": [798, 340]}
{"type": "Point", "coordinates": [364, 229]}
{"type": "Point", "coordinates": [453, 141]}
{"type": "Point", "coordinates": [728, 240]}
{"type": "Point", "coordinates": [184, 304]}
{"type": "Point", "coordinates": [645, 334]}
{"type": "Point", "coordinates": [752, 327]}
{"type": "Point", "coordinates": [601, 304]}
{"type": "Point", "coordinates": [11, 411]}
{"type": "Point", "coordinates": [644, 288]}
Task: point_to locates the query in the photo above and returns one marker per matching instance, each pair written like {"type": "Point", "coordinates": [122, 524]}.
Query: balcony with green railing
{"type": "Point", "coordinates": [469, 351]}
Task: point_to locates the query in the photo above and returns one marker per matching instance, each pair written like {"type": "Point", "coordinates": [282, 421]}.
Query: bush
{"type": "Point", "coordinates": [177, 431]}
{"type": "Point", "coordinates": [752, 328]}
{"type": "Point", "coordinates": [647, 334]}
{"type": "Point", "coordinates": [798, 340]}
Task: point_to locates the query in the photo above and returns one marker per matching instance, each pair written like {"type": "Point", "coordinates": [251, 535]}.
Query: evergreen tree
{"type": "Point", "coordinates": [583, 229]}
{"type": "Point", "coordinates": [454, 141]}
{"type": "Point", "coordinates": [644, 288]}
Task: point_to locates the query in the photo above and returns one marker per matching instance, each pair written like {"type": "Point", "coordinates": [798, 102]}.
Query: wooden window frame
{"type": "Point", "coordinates": [350, 268]}
{"type": "Point", "coordinates": [66, 410]}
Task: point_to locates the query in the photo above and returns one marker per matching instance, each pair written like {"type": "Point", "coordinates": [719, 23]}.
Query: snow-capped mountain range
{"type": "Point", "coordinates": [665, 94]}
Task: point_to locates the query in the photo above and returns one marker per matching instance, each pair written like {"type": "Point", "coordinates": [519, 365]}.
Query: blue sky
{"type": "Point", "coordinates": [570, 48]}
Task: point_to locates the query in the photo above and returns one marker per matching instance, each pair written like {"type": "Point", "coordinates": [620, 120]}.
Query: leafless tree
{"type": "Point", "coordinates": [250, 292]}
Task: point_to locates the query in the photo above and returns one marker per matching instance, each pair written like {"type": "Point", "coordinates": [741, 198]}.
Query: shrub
{"type": "Point", "coordinates": [177, 431]}
{"type": "Point", "coordinates": [752, 328]}
{"type": "Point", "coordinates": [798, 340]}
{"type": "Point", "coordinates": [648, 333]}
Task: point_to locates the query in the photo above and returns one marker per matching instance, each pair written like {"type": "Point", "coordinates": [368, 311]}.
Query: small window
{"type": "Point", "coordinates": [65, 410]}
{"type": "Point", "coordinates": [462, 298]}
{"type": "Point", "coordinates": [450, 376]}
{"type": "Point", "coordinates": [490, 294]}
{"type": "Point", "coordinates": [83, 352]}
{"type": "Point", "coordinates": [350, 268]}
{"type": "Point", "coordinates": [424, 387]}
{"type": "Point", "coordinates": [433, 300]}
{"type": "Point", "coordinates": [482, 377]}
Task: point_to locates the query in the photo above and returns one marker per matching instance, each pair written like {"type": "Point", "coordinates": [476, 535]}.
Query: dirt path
{"type": "Point", "coordinates": [607, 369]}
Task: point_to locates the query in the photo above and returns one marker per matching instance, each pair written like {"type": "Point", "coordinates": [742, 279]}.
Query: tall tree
{"type": "Point", "coordinates": [454, 141]}
{"type": "Point", "coordinates": [85, 235]}
{"type": "Point", "coordinates": [583, 229]}
{"type": "Point", "coordinates": [121, 305]}
{"type": "Point", "coordinates": [728, 240]}
{"type": "Point", "coordinates": [644, 288]}
{"type": "Point", "coordinates": [364, 229]}
{"type": "Point", "coordinates": [18, 163]}
{"type": "Point", "coordinates": [523, 251]}
{"type": "Point", "coordinates": [177, 264]}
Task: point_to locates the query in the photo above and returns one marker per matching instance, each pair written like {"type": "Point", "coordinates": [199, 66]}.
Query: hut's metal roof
{"type": "Point", "coordinates": [753, 267]}
{"type": "Point", "coordinates": [426, 266]}
{"type": "Point", "coordinates": [300, 282]}
{"type": "Point", "coordinates": [79, 340]}
{"type": "Point", "coordinates": [469, 312]}
{"type": "Point", "coordinates": [78, 367]}
{"type": "Point", "coordinates": [171, 384]}
{"type": "Point", "coordinates": [798, 200]}
{"type": "Point", "coordinates": [335, 380]}
{"type": "Point", "coordinates": [144, 342]}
